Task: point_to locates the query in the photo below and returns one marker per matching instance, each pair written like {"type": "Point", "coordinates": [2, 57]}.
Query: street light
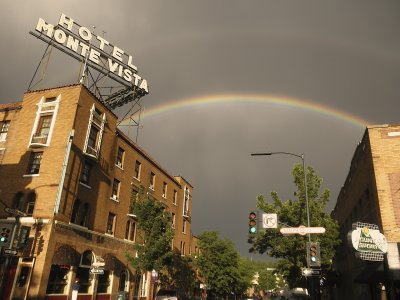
{"type": "Point", "coordinates": [305, 178]}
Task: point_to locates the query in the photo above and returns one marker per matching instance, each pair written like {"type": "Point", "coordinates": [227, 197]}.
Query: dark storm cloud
{"type": "Point", "coordinates": [344, 54]}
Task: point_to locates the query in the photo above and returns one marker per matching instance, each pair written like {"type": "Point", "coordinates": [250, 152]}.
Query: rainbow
{"type": "Point", "coordinates": [253, 99]}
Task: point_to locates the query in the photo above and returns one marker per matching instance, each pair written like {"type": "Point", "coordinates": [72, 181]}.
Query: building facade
{"type": "Point", "coordinates": [69, 180]}
{"type": "Point", "coordinates": [371, 195]}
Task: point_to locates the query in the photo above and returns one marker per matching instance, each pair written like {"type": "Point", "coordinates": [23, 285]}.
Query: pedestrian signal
{"type": "Point", "coordinates": [252, 223]}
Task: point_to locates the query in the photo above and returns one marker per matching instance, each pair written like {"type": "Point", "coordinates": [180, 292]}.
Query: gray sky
{"type": "Point", "coordinates": [344, 55]}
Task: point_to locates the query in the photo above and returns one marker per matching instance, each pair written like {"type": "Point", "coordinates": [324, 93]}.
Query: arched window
{"type": "Point", "coordinates": [123, 277]}
{"type": "Point", "coordinates": [87, 258]}
{"type": "Point", "coordinates": [30, 203]}
{"type": "Point", "coordinates": [75, 211]}
{"type": "Point", "coordinates": [18, 202]}
{"type": "Point", "coordinates": [83, 272]}
{"type": "Point", "coordinates": [136, 287]}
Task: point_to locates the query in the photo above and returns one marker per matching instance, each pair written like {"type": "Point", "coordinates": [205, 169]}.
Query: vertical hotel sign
{"type": "Point", "coordinates": [368, 241]}
{"type": "Point", "coordinates": [79, 41]}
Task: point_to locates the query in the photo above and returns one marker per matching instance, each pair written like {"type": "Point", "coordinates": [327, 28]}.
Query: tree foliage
{"type": "Point", "coordinates": [220, 266]}
{"type": "Point", "coordinates": [155, 234]}
{"type": "Point", "coordinates": [291, 249]}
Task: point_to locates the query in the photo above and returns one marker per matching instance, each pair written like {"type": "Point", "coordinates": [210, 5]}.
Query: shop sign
{"type": "Point", "coordinates": [367, 239]}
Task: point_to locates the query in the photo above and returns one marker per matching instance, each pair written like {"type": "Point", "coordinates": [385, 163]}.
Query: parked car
{"type": "Point", "coordinates": [164, 294]}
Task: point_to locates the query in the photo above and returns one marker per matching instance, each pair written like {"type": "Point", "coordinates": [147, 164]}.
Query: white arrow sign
{"type": "Point", "coordinates": [270, 220]}
{"type": "Point", "coordinates": [97, 271]}
{"type": "Point", "coordinates": [302, 230]}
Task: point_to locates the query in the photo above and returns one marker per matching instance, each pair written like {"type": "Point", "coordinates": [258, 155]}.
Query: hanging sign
{"type": "Point", "coordinates": [368, 241]}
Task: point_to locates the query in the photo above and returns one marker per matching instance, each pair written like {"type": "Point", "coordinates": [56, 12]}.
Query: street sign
{"type": "Point", "coordinates": [270, 220]}
{"type": "Point", "coordinates": [311, 272]}
{"type": "Point", "coordinates": [302, 230]}
{"type": "Point", "coordinates": [97, 271]}
{"type": "Point", "coordinates": [10, 252]}
{"type": "Point", "coordinates": [14, 212]}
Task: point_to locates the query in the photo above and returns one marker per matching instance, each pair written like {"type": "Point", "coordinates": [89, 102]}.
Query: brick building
{"type": "Point", "coordinates": [74, 175]}
{"type": "Point", "coordinates": [371, 194]}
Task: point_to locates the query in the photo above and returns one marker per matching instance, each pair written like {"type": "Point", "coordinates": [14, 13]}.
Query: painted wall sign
{"type": "Point", "coordinates": [96, 49]}
{"type": "Point", "coordinates": [367, 239]}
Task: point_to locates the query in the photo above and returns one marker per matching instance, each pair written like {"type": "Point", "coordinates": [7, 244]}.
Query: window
{"type": "Point", "coordinates": [152, 180]}
{"type": "Point", "coordinates": [83, 272]}
{"type": "Point", "coordinates": [123, 282]}
{"type": "Point", "coordinates": [120, 157]}
{"type": "Point", "coordinates": [18, 201]}
{"type": "Point", "coordinates": [115, 189]}
{"type": "Point", "coordinates": [58, 279]}
{"type": "Point", "coordinates": [164, 192]}
{"type": "Point", "coordinates": [43, 130]}
{"type": "Point", "coordinates": [44, 122]}
{"type": "Point", "coordinates": [75, 211]}
{"type": "Point", "coordinates": [103, 282]}
{"type": "Point", "coordinates": [94, 132]}
{"type": "Point", "coordinates": [34, 163]}
{"type": "Point", "coordinates": [175, 201]}
{"type": "Point", "coordinates": [85, 175]}
{"type": "Point", "coordinates": [186, 197]}
{"type": "Point", "coordinates": [130, 230]}
{"type": "Point", "coordinates": [173, 220]}
{"type": "Point", "coordinates": [2, 151]}
{"type": "Point", "coordinates": [134, 198]}
{"type": "Point", "coordinates": [111, 224]}
{"type": "Point", "coordinates": [84, 215]}
{"type": "Point", "coordinates": [3, 130]}
{"type": "Point", "coordinates": [184, 226]}
{"type": "Point", "coordinates": [137, 170]}
{"type": "Point", "coordinates": [30, 203]}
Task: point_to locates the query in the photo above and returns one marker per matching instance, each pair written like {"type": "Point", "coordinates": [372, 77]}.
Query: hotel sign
{"type": "Point", "coordinates": [368, 241]}
{"type": "Point", "coordinates": [80, 42]}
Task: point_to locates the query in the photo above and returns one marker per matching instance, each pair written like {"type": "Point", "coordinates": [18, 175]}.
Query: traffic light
{"type": "Point", "coordinates": [252, 223]}
{"type": "Point", "coordinates": [6, 230]}
{"type": "Point", "coordinates": [23, 236]}
{"type": "Point", "coordinates": [313, 254]}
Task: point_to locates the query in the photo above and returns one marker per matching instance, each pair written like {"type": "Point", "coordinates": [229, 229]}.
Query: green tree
{"type": "Point", "coordinates": [291, 249]}
{"type": "Point", "coordinates": [156, 233]}
{"type": "Point", "coordinates": [218, 264]}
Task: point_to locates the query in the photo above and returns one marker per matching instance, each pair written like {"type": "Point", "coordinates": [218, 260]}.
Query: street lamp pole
{"type": "Point", "coordinates": [305, 178]}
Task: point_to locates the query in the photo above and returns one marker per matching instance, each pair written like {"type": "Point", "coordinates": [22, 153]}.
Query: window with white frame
{"type": "Point", "coordinates": [186, 197]}
{"type": "Point", "coordinates": [173, 220]}
{"type": "Point", "coordinates": [4, 125]}
{"type": "Point", "coordinates": [94, 133]}
{"type": "Point", "coordinates": [184, 226]}
{"type": "Point", "coordinates": [164, 191]}
{"type": "Point", "coordinates": [111, 220]}
{"type": "Point", "coordinates": [175, 200]}
{"type": "Point", "coordinates": [152, 180]}
{"type": "Point", "coordinates": [115, 189]}
{"type": "Point", "coordinates": [130, 230]}
{"type": "Point", "coordinates": [136, 173]}
{"type": "Point", "coordinates": [44, 122]}
{"type": "Point", "coordinates": [120, 158]}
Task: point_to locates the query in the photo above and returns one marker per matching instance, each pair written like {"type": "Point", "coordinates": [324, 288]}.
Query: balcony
{"type": "Point", "coordinates": [39, 140]}
{"type": "Point", "coordinates": [91, 151]}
